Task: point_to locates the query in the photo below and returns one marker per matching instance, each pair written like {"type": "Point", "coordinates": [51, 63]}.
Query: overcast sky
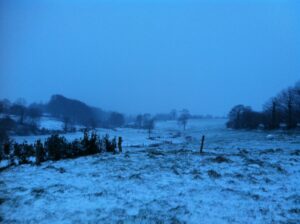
{"type": "Point", "coordinates": [150, 56]}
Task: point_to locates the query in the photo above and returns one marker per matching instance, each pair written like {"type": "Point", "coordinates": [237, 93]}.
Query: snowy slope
{"type": "Point", "coordinates": [243, 177]}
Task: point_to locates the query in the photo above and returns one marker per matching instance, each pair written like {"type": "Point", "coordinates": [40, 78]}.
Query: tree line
{"type": "Point", "coordinates": [18, 118]}
{"type": "Point", "coordinates": [281, 111]}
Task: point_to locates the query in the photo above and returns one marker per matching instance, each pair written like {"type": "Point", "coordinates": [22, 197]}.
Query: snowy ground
{"type": "Point", "coordinates": [243, 177]}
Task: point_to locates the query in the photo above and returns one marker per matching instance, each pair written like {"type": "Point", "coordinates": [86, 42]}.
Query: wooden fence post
{"type": "Point", "coordinates": [202, 143]}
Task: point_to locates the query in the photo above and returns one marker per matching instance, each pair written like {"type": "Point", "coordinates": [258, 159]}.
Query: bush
{"type": "Point", "coordinates": [110, 146]}
{"type": "Point", "coordinates": [23, 152]}
{"type": "Point", "coordinates": [39, 152]}
{"type": "Point", "coordinates": [90, 144]}
{"type": "Point", "coordinates": [56, 147]}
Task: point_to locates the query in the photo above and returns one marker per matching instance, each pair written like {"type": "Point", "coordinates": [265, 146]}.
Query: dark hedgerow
{"type": "Point", "coordinates": [57, 147]}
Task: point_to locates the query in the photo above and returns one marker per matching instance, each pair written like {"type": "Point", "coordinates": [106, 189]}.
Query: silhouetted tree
{"type": "Point", "coordinates": [116, 119]}
{"type": "Point", "coordinates": [149, 124]}
{"type": "Point", "coordinates": [67, 124]}
{"type": "Point", "coordinates": [243, 117]}
{"type": "Point", "coordinates": [139, 121]}
{"type": "Point", "coordinates": [297, 102]}
{"type": "Point", "coordinates": [20, 111]}
{"type": "Point", "coordinates": [5, 104]}
{"type": "Point", "coordinates": [183, 118]}
{"type": "Point", "coordinates": [287, 101]}
{"type": "Point", "coordinates": [173, 114]}
{"type": "Point", "coordinates": [272, 116]}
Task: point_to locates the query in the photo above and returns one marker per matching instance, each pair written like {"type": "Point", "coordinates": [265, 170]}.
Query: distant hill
{"type": "Point", "coordinates": [76, 111]}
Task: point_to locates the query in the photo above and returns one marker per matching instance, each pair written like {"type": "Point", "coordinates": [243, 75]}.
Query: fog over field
{"type": "Point", "coordinates": [150, 56]}
{"type": "Point", "coordinates": [150, 111]}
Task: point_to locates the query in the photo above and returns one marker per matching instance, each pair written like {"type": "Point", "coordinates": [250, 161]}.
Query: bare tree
{"type": "Point", "coordinates": [297, 101]}
{"type": "Point", "coordinates": [183, 118]}
{"type": "Point", "coordinates": [116, 119]}
{"type": "Point", "coordinates": [19, 109]}
{"type": "Point", "coordinates": [243, 117]}
{"type": "Point", "coordinates": [272, 115]}
{"type": "Point", "coordinates": [67, 124]}
{"type": "Point", "coordinates": [173, 114]}
{"type": "Point", "coordinates": [5, 104]}
{"type": "Point", "coordinates": [139, 121]}
{"type": "Point", "coordinates": [149, 124]}
{"type": "Point", "coordinates": [287, 101]}
{"type": "Point", "coordinates": [34, 114]}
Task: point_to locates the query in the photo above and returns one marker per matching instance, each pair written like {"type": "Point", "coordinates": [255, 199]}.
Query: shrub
{"type": "Point", "coordinates": [90, 144]}
{"type": "Point", "coordinates": [20, 153]}
{"type": "Point", "coordinates": [56, 147]}
{"type": "Point", "coordinates": [110, 146]}
{"type": "Point", "coordinates": [39, 152]}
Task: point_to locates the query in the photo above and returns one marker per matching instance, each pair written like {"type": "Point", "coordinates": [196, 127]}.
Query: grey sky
{"type": "Point", "coordinates": [150, 56]}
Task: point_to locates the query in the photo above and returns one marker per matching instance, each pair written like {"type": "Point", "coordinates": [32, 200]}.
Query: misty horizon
{"type": "Point", "coordinates": [138, 57]}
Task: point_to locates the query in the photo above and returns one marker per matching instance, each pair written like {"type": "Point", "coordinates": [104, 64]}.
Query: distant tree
{"type": "Point", "coordinates": [297, 102]}
{"type": "Point", "coordinates": [139, 121]}
{"type": "Point", "coordinates": [116, 119]}
{"type": "Point", "coordinates": [162, 117]}
{"type": "Point", "coordinates": [272, 116]}
{"type": "Point", "coordinates": [183, 118]}
{"type": "Point", "coordinates": [5, 104]}
{"type": "Point", "coordinates": [235, 115]}
{"type": "Point", "coordinates": [149, 124]}
{"type": "Point", "coordinates": [21, 101]}
{"type": "Point", "coordinates": [67, 124]}
{"type": "Point", "coordinates": [6, 125]}
{"type": "Point", "coordinates": [243, 117]}
{"type": "Point", "coordinates": [173, 114]}
{"type": "Point", "coordinates": [287, 102]}
{"type": "Point", "coordinates": [20, 111]}
{"type": "Point", "coordinates": [93, 123]}
{"type": "Point", "coordinates": [34, 114]}
{"type": "Point", "coordinates": [3, 137]}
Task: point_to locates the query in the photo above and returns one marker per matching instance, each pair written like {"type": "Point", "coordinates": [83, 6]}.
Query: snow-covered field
{"type": "Point", "coordinates": [242, 177]}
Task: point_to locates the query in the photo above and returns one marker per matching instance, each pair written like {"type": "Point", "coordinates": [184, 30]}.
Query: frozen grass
{"type": "Point", "coordinates": [242, 177]}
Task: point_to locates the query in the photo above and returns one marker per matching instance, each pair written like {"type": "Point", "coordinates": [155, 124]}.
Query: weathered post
{"type": "Point", "coordinates": [202, 143]}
